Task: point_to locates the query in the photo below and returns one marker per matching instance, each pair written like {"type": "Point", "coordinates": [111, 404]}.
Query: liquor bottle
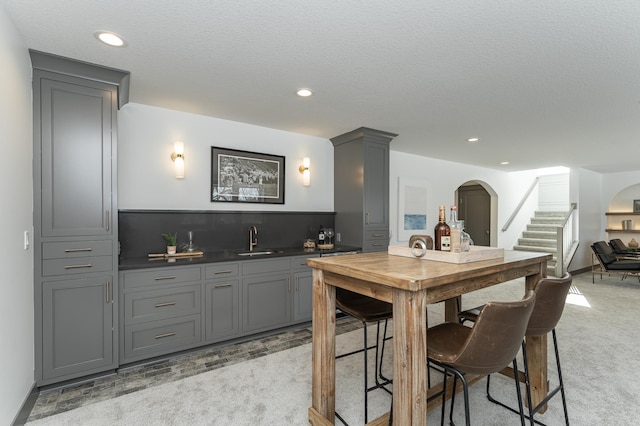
{"type": "Point", "coordinates": [321, 235]}
{"type": "Point", "coordinates": [456, 230]}
{"type": "Point", "coordinates": [442, 233]}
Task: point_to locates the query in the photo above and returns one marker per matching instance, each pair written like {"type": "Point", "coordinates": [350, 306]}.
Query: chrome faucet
{"type": "Point", "coordinates": [253, 237]}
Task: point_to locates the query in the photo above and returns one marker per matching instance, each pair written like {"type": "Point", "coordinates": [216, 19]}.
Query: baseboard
{"type": "Point", "coordinates": [28, 404]}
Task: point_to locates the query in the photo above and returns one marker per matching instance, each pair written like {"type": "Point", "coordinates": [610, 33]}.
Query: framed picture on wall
{"type": "Point", "coordinates": [412, 208]}
{"type": "Point", "coordinates": [636, 206]}
{"type": "Point", "coordinates": [246, 177]}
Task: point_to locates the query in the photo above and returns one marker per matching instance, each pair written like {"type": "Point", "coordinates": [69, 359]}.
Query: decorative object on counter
{"type": "Point", "coordinates": [428, 241]}
{"type": "Point", "coordinates": [442, 232]}
{"type": "Point", "coordinates": [189, 247]}
{"type": "Point", "coordinates": [456, 230]}
{"type": "Point", "coordinates": [475, 254]}
{"type": "Point", "coordinates": [328, 236]}
{"type": "Point", "coordinates": [178, 159]}
{"type": "Point", "coordinates": [304, 169]}
{"type": "Point", "coordinates": [171, 240]}
{"type": "Point", "coordinates": [246, 177]}
{"type": "Point", "coordinates": [465, 238]}
{"type": "Point", "coordinates": [636, 206]}
{"type": "Point", "coordinates": [321, 236]}
{"type": "Point", "coordinates": [154, 256]}
{"type": "Point", "coordinates": [633, 243]}
{"type": "Point", "coordinates": [418, 248]}
{"type": "Point", "coordinates": [309, 244]}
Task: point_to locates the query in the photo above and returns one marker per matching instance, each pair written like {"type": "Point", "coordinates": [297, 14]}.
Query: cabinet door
{"type": "Point", "coordinates": [376, 185]}
{"type": "Point", "coordinates": [222, 310]}
{"type": "Point", "coordinates": [77, 324]}
{"type": "Point", "coordinates": [303, 296]}
{"type": "Point", "coordinates": [267, 302]}
{"type": "Point", "coordinates": [76, 131]}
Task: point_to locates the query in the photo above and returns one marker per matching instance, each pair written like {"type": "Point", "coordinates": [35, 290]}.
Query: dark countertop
{"type": "Point", "coordinates": [223, 256]}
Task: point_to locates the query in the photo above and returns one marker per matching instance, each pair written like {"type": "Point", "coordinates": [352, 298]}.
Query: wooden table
{"type": "Point", "coordinates": [410, 284]}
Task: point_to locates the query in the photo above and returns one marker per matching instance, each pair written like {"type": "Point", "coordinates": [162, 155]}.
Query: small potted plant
{"type": "Point", "coordinates": [171, 240]}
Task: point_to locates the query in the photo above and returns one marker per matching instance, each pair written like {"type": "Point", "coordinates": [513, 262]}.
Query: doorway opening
{"type": "Point", "coordinates": [478, 207]}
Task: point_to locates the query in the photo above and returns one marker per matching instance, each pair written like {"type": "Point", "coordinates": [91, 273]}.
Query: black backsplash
{"type": "Point", "coordinates": [140, 230]}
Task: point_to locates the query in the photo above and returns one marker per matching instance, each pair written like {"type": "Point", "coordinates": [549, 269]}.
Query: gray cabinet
{"type": "Point", "coordinates": [361, 188]}
{"type": "Point", "coordinates": [302, 289]}
{"type": "Point", "coordinates": [161, 311]}
{"type": "Point", "coordinates": [75, 231]}
{"type": "Point", "coordinates": [266, 294]}
{"type": "Point", "coordinates": [221, 302]}
{"type": "Point", "coordinates": [77, 320]}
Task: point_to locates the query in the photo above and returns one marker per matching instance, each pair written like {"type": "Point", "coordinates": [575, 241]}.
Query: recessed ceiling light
{"type": "Point", "coordinates": [504, 163]}
{"type": "Point", "coordinates": [304, 93]}
{"type": "Point", "coordinates": [110, 38]}
{"type": "Point", "coordinates": [473, 139]}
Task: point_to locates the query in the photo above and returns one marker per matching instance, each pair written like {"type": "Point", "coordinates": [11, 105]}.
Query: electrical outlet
{"type": "Point", "coordinates": [26, 240]}
{"type": "Point", "coordinates": [338, 237]}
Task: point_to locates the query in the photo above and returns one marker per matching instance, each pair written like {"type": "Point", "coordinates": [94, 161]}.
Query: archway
{"type": "Point", "coordinates": [478, 207]}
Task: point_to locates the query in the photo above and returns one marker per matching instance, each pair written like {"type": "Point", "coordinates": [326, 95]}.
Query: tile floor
{"type": "Point", "coordinates": [131, 379]}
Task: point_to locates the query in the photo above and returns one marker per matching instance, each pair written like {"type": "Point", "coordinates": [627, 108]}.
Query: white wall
{"type": "Point", "coordinates": [586, 191]}
{"type": "Point", "coordinates": [16, 183]}
{"type": "Point", "coordinates": [145, 170]}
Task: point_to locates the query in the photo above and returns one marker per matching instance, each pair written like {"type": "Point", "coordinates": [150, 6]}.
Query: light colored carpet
{"type": "Point", "coordinates": [597, 336]}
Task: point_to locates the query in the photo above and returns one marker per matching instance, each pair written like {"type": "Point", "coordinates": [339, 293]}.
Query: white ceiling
{"type": "Point", "coordinates": [541, 83]}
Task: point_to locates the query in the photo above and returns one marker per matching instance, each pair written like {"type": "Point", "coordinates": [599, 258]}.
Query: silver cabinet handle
{"type": "Point", "coordinates": [168, 277]}
{"type": "Point", "coordinates": [107, 219]}
{"type": "Point", "coordinates": [108, 291]}
{"type": "Point", "coordinates": [86, 265]}
{"type": "Point", "coordinates": [222, 272]}
{"type": "Point", "coordinates": [378, 235]}
{"type": "Point", "coordinates": [162, 336]}
{"type": "Point", "coordinates": [222, 285]}
{"type": "Point", "coordinates": [161, 305]}
{"type": "Point", "coordinates": [77, 249]}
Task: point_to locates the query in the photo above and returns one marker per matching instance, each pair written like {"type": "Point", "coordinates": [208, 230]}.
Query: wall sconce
{"type": "Point", "coordinates": [178, 158]}
{"type": "Point", "coordinates": [304, 169]}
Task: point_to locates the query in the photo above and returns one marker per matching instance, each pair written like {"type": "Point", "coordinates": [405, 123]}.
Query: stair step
{"type": "Point", "coordinates": [543, 235]}
{"type": "Point", "coordinates": [542, 227]}
{"type": "Point", "coordinates": [537, 242]}
{"type": "Point", "coordinates": [547, 220]}
{"type": "Point", "coordinates": [535, 249]}
{"type": "Point", "coordinates": [543, 213]}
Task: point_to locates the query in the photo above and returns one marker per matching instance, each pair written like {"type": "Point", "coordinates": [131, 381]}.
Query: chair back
{"type": "Point", "coordinates": [551, 294]}
{"type": "Point", "coordinates": [496, 336]}
{"type": "Point", "coordinates": [618, 246]}
{"type": "Point", "coordinates": [604, 253]}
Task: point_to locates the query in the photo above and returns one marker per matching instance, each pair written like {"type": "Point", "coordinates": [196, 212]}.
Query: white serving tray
{"type": "Point", "coordinates": [475, 254]}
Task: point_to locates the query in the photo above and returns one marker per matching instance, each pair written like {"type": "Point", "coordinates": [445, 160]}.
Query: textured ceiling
{"type": "Point", "coordinates": [541, 83]}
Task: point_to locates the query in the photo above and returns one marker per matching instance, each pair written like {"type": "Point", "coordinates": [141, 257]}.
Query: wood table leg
{"type": "Point", "coordinates": [323, 388]}
{"type": "Point", "coordinates": [537, 360]}
{"type": "Point", "coordinates": [451, 309]}
{"type": "Point", "coordinates": [409, 358]}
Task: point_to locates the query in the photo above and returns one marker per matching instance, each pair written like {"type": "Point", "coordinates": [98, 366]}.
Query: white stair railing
{"type": "Point", "coordinates": [565, 247]}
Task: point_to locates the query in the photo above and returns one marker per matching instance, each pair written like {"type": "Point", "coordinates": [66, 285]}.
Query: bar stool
{"type": "Point", "coordinates": [551, 294]}
{"type": "Point", "coordinates": [367, 310]}
{"type": "Point", "coordinates": [486, 348]}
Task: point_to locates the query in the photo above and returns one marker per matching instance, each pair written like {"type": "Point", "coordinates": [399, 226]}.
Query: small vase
{"type": "Point", "coordinates": [171, 249]}
{"type": "Point", "coordinates": [633, 243]}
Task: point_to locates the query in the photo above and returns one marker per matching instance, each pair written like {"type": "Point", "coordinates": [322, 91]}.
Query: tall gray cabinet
{"type": "Point", "coordinates": [361, 188]}
{"type": "Point", "coordinates": [75, 216]}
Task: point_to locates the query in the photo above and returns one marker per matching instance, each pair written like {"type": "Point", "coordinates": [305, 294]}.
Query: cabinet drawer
{"type": "Point", "coordinates": [82, 265]}
{"type": "Point", "coordinates": [299, 263]}
{"type": "Point", "coordinates": [375, 245]}
{"type": "Point", "coordinates": [159, 337]}
{"type": "Point", "coordinates": [160, 304]}
{"type": "Point", "coordinates": [375, 234]}
{"type": "Point", "coordinates": [160, 277]}
{"type": "Point", "coordinates": [221, 270]}
{"type": "Point", "coordinates": [71, 249]}
{"type": "Point", "coordinates": [266, 266]}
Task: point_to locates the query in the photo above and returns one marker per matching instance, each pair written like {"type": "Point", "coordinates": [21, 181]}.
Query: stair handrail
{"type": "Point", "coordinates": [564, 240]}
{"type": "Point", "coordinates": [519, 206]}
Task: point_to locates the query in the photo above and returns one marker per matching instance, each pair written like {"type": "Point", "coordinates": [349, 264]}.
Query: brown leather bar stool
{"type": "Point", "coordinates": [551, 294]}
{"type": "Point", "coordinates": [367, 310]}
{"type": "Point", "coordinates": [486, 348]}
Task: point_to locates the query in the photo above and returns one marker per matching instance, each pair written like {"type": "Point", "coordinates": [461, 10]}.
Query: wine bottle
{"type": "Point", "coordinates": [442, 233]}
{"type": "Point", "coordinates": [321, 235]}
{"type": "Point", "coordinates": [456, 230]}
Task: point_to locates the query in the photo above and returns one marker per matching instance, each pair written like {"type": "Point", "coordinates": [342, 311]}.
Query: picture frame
{"type": "Point", "coordinates": [636, 206]}
{"type": "Point", "coordinates": [412, 207]}
{"type": "Point", "coordinates": [246, 177]}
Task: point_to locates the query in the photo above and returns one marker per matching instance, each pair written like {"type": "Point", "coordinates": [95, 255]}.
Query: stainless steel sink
{"type": "Point", "coordinates": [258, 253]}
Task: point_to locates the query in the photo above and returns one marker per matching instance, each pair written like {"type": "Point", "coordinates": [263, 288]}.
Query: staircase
{"type": "Point", "coordinates": [541, 235]}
